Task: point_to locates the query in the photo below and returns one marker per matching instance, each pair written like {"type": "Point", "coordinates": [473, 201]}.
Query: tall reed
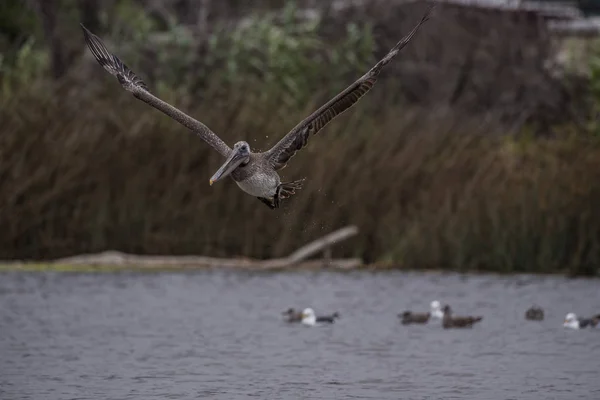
{"type": "Point", "coordinates": [85, 171]}
{"type": "Point", "coordinates": [436, 166]}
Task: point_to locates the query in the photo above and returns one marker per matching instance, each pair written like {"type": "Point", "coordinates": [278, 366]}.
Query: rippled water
{"type": "Point", "coordinates": [220, 335]}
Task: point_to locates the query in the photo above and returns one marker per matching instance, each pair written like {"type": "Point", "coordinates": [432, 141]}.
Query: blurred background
{"type": "Point", "coordinates": [477, 150]}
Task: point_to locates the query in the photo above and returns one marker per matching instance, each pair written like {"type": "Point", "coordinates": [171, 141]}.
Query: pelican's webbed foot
{"type": "Point", "coordinates": [287, 189]}
{"type": "Point", "coordinates": [284, 191]}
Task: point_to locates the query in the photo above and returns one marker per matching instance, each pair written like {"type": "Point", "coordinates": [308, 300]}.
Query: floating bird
{"type": "Point", "coordinates": [328, 318]}
{"type": "Point", "coordinates": [309, 317]}
{"type": "Point", "coordinates": [457, 322]}
{"type": "Point", "coordinates": [255, 173]}
{"type": "Point", "coordinates": [292, 315]}
{"type": "Point", "coordinates": [571, 321]}
{"type": "Point", "coordinates": [436, 310]}
{"type": "Point", "coordinates": [408, 317]}
{"type": "Point", "coordinates": [534, 314]}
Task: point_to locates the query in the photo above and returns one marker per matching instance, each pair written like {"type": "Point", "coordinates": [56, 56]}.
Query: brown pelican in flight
{"type": "Point", "coordinates": [255, 173]}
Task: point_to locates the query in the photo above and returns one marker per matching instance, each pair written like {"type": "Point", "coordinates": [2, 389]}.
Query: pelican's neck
{"type": "Point", "coordinates": [247, 159]}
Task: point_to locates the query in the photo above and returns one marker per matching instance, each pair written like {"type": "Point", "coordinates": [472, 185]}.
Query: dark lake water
{"type": "Point", "coordinates": [220, 335]}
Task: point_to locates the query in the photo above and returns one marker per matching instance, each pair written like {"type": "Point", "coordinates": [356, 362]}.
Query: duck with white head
{"type": "Point", "coordinates": [310, 318]}
{"type": "Point", "coordinates": [572, 322]}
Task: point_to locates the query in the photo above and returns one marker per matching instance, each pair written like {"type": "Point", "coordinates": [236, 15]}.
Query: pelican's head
{"type": "Point", "coordinates": [435, 305]}
{"type": "Point", "coordinates": [309, 317]}
{"type": "Point", "coordinates": [238, 156]}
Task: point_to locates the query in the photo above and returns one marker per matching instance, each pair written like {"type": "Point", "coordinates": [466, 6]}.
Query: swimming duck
{"type": "Point", "coordinates": [292, 315]}
{"type": "Point", "coordinates": [309, 318]}
{"type": "Point", "coordinates": [408, 317]}
{"type": "Point", "coordinates": [457, 322]}
{"type": "Point", "coordinates": [535, 313]}
{"type": "Point", "coordinates": [572, 322]}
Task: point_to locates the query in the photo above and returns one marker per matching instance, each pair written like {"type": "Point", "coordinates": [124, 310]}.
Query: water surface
{"type": "Point", "coordinates": [220, 335]}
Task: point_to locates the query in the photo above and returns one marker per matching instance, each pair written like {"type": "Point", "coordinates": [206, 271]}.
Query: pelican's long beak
{"type": "Point", "coordinates": [232, 162]}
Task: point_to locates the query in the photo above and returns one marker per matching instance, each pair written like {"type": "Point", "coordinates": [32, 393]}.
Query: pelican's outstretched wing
{"type": "Point", "coordinates": [138, 88]}
{"type": "Point", "coordinates": [297, 138]}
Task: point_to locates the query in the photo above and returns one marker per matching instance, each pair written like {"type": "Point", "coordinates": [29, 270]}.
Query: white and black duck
{"type": "Point", "coordinates": [572, 322]}
{"type": "Point", "coordinates": [310, 318]}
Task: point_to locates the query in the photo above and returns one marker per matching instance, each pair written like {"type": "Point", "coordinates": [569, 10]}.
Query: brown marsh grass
{"type": "Point", "coordinates": [95, 170]}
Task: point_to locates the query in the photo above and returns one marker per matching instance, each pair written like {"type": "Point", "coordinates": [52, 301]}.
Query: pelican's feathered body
{"type": "Point", "coordinates": [255, 173]}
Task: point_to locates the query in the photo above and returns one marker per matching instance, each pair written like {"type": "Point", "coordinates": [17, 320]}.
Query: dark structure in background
{"type": "Point", "coordinates": [589, 7]}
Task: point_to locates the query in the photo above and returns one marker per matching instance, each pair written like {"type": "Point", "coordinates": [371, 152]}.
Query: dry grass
{"type": "Point", "coordinates": [427, 188]}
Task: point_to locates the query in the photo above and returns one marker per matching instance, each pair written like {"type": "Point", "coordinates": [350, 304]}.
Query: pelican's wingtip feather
{"type": "Point", "coordinates": [128, 79]}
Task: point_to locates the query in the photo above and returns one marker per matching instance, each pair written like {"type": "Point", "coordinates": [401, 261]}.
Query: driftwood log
{"type": "Point", "coordinates": [299, 258]}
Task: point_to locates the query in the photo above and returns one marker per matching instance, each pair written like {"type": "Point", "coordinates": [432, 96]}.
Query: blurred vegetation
{"type": "Point", "coordinates": [470, 154]}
